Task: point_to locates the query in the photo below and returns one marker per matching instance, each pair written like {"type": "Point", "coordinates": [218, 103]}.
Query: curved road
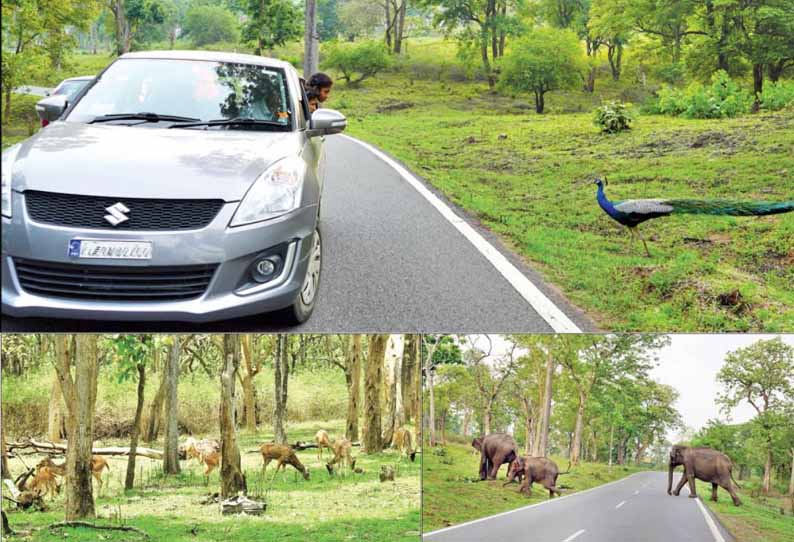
{"type": "Point", "coordinates": [392, 262]}
{"type": "Point", "coordinates": [634, 509]}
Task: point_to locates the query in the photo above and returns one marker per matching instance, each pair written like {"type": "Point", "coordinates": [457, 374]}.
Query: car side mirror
{"type": "Point", "coordinates": [50, 109]}
{"type": "Point", "coordinates": [326, 122]}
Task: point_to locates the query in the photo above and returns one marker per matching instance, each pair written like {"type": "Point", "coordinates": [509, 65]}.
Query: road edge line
{"type": "Point", "coordinates": [545, 307]}
{"type": "Point", "coordinates": [550, 501]}
{"type": "Point", "coordinates": [715, 531]}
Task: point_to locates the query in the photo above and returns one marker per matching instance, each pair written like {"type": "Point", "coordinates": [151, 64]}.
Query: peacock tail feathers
{"type": "Point", "coordinates": [729, 208]}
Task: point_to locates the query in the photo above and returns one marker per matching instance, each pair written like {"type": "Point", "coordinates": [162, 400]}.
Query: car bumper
{"type": "Point", "coordinates": [232, 250]}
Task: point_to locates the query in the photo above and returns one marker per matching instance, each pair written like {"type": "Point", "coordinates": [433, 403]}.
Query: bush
{"type": "Point", "coordinates": [210, 24]}
{"type": "Point", "coordinates": [777, 96]}
{"type": "Point", "coordinates": [22, 119]}
{"type": "Point", "coordinates": [723, 98]}
{"type": "Point", "coordinates": [613, 117]}
{"type": "Point", "coordinates": [358, 61]}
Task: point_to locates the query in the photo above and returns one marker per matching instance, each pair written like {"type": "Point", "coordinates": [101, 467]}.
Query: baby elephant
{"type": "Point", "coordinates": [534, 469]}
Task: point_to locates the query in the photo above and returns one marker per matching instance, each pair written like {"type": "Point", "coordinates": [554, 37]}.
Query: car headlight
{"type": "Point", "coordinates": [276, 192]}
{"type": "Point", "coordinates": [7, 165]}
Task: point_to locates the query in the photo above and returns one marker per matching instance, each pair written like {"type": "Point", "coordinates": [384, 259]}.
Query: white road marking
{"type": "Point", "coordinates": [544, 306]}
{"type": "Point", "coordinates": [574, 535]}
{"type": "Point", "coordinates": [620, 504]}
{"type": "Point", "coordinates": [715, 532]}
{"type": "Point", "coordinates": [550, 501]}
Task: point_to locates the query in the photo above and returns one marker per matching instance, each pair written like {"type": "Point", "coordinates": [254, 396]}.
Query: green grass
{"type": "Point", "coordinates": [525, 176]}
{"type": "Point", "coordinates": [759, 519]}
{"type": "Point", "coordinates": [324, 508]}
{"type": "Point", "coordinates": [452, 494]}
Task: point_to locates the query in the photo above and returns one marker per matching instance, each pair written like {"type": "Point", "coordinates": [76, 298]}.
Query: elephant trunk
{"type": "Point", "coordinates": [670, 479]}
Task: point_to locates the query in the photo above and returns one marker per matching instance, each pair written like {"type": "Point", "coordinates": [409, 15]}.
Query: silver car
{"type": "Point", "coordinates": [177, 186]}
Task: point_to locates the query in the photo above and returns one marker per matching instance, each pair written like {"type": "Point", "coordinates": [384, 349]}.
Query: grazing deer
{"type": "Point", "coordinates": [98, 464]}
{"type": "Point", "coordinates": [44, 482]}
{"type": "Point", "coordinates": [283, 455]}
{"type": "Point", "coordinates": [323, 441]}
{"type": "Point", "coordinates": [211, 460]}
{"type": "Point", "coordinates": [342, 448]}
{"type": "Point", "coordinates": [402, 441]}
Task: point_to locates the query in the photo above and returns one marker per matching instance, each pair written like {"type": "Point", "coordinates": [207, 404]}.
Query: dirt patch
{"type": "Point", "coordinates": [395, 106]}
{"type": "Point", "coordinates": [722, 143]}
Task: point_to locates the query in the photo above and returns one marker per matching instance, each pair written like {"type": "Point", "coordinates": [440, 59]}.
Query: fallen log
{"type": "Point", "coordinates": [58, 449]}
{"type": "Point", "coordinates": [88, 525]}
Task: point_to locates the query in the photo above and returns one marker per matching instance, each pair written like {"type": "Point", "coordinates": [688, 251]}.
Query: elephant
{"type": "Point", "coordinates": [704, 464]}
{"type": "Point", "coordinates": [496, 449]}
{"type": "Point", "coordinates": [534, 469]}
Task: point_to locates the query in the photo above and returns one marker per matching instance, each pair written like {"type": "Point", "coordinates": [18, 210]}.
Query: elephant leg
{"type": "Point", "coordinates": [693, 492]}
{"type": "Point", "coordinates": [680, 485]}
{"type": "Point", "coordinates": [497, 462]}
{"type": "Point", "coordinates": [483, 466]}
{"type": "Point", "coordinates": [714, 492]}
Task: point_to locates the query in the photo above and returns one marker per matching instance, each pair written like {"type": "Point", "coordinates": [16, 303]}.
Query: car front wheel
{"type": "Point", "coordinates": [301, 310]}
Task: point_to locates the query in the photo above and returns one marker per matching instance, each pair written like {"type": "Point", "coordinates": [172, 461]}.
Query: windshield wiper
{"type": "Point", "coordinates": [238, 121]}
{"type": "Point", "coordinates": [148, 117]}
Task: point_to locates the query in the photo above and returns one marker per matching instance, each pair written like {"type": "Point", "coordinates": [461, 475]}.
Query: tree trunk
{"type": "Point", "coordinates": [129, 481]}
{"type": "Point", "coordinates": [156, 409]}
{"type": "Point", "coordinates": [466, 421]}
{"type": "Point", "coordinates": [791, 480]}
{"type": "Point", "coordinates": [393, 369]}
{"type": "Point", "coordinates": [311, 51]}
{"type": "Point", "coordinates": [758, 84]}
{"type": "Point", "coordinates": [171, 446]}
{"type": "Point", "coordinates": [528, 433]}
{"type": "Point", "coordinates": [80, 398]}
{"type": "Point", "coordinates": [281, 385]}
{"type": "Point", "coordinates": [5, 472]}
{"type": "Point", "coordinates": [389, 23]}
{"type": "Point", "coordinates": [486, 417]}
{"type": "Point", "coordinates": [249, 390]}
{"type": "Point", "coordinates": [232, 478]}
{"type": "Point", "coordinates": [409, 366]}
{"type": "Point", "coordinates": [547, 394]}
{"type": "Point", "coordinates": [55, 419]}
{"type": "Point", "coordinates": [767, 469]}
{"type": "Point", "coordinates": [578, 428]}
{"type": "Point", "coordinates": [611, 443]}
{"type": "Point", "coordinates": [431, 403]}
{"type": "Point", "coordinates": [372, 440]}
{"type": "Point", "coordinates": [353, 376]}
{"type": "Point", "coordinates": [399, 32]}
{"type": "Point", "coordinates": [776, 70]}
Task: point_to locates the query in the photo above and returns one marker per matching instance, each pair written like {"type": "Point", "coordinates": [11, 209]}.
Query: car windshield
{"type": "Point", "coordinates": [70, 89]}
{"type": "Point", "coordinates": [186, 88]}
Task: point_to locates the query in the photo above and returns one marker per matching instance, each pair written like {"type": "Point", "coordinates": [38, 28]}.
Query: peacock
{"type": "Point", "coordinates": [632, 213]}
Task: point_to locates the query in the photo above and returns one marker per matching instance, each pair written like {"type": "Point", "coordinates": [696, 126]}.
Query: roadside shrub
{"type": "Point", "coordinates": [777, 96]}
{"type": "Point", "coordinates": [22, 118]}
{"type": "Point", "coordinates": [613, 117]}
{"type": "Point", "coordinates": [358, 61]}
{"type": "Point", "coordinates": [722, 98]}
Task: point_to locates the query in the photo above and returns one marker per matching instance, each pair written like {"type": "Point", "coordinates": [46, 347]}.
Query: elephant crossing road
{"type": "Point", "coordinates": [634, 509]}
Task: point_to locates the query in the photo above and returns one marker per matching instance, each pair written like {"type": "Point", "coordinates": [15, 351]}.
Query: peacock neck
{"type": "Point", "coordinates": [604, 202]}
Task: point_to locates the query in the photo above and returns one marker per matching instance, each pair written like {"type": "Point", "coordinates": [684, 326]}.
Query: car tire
{"type": "Point", "coordinates": [303, 306]}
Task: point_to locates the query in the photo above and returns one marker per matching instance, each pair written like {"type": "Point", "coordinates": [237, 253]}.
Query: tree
{"type": "Point", "coordinates": [394, 11]}
{"type": "Point", "coordinates": [132, 353]}
{"type": "Point", "coordinates": [763, 375]}
{"type": "Point", "coordinates": [154, 421]}
{"type": "Point", "coordinates": [271, 23]}
{"type": "Point", "coordinates": [411, 386]}
{"type": "Point", "coordinates": [376, 352]}
{"type": "Point", "coordinates": [232, 477]}
{"type": "Point", "coordinates": [311, 40]}
{"type": "Point", "coordinates": [210, 24]}
{"type": "Point", "coordinates": [281, 383]}
{"type": "Point", "coordinates": [358, 18]}
{"type": "Point", "coordinates": [358, 61]}
{"type": "Point", "coordinates": [328, 23]}
{"type": "Point", "coordinates": [545, 60]}
{"type": "Point", "coordinates": [483, 24]}
{"type": "Point", "coordinates": [171, 445]}
{"type": "Point", "coordinates": [353, 378]}
{"type": "Point", "coordinates": [131, 16]}
{"type": "Point", "coordinates": [79, 391]}
{"type": "Point", "coordinates": [542, 446]}
{"type": "Point", "coordinates": [252, 365]}
{"type": "Point", "coordinates": [489, 378]}
{"type": "Point", "coordinates": [393, 386]}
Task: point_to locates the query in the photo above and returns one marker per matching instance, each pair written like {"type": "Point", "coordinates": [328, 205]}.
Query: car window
{"type": "Point", "coordinates": [197, 89]}
{"type": "Point", "coordinates": [70, 89]}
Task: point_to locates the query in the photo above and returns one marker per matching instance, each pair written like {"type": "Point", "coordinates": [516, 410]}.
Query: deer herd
{"type": "Point", "coordinates": [207, 452]}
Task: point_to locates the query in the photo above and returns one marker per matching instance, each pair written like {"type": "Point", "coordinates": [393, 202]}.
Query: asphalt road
{"type": "Point", "coordinates": [635, 509]}
{"type": "Point", "coordinates": [392, 263]}
{"type": "Point", "coordinates": [33, 91]}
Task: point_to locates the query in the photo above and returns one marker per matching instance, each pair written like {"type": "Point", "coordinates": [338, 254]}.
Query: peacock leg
{"type": "Point", "coordinates": [647, 252]}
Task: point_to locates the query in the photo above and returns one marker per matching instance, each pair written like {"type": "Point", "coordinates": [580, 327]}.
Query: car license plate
{"type": "Point", "coordinates": [112, 250]}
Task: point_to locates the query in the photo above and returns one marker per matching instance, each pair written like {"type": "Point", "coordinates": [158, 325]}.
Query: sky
{"type": "Point", "coordinates": [690, 364]}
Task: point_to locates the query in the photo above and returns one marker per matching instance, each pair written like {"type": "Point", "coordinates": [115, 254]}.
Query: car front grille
{"type": "Point", "coordinates": [111, 283]}
{"type": "Point", "coordinates": [144, 214]}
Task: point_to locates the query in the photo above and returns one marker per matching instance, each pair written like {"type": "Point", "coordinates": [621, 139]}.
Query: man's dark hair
{"type": "Point", "coordinates": [320, 80]}
{"type": "Point", "coordinates": [312, 94]}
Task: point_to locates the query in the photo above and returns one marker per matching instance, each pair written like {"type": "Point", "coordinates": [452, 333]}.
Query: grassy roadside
{"type": "Point", "coordinates": [757, 520]}
{"type": "Point", "coordinates": [324, 508]}
{"type": "Point", "coordinates": [450, 494]}
{"type": "Point", "coordinates": [525, 177]}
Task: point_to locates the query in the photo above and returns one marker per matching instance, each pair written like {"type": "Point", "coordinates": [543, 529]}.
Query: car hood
{"type": "Point", "coordinates": [141, 162]}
